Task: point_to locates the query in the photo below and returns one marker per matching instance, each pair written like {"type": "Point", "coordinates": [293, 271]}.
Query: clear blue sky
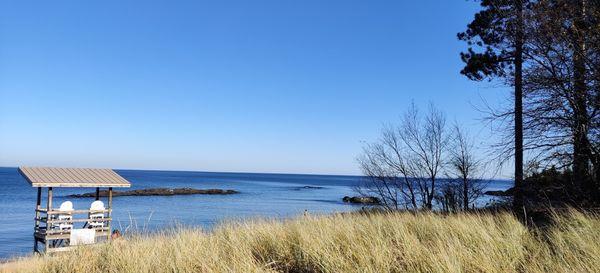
{"type": "Point", "coordinates": [248, 86]}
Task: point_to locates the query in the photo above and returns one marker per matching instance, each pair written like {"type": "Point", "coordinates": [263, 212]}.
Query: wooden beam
{"type": "Point", "coordinates": [39, 198]}
{"type": "Point", "coordinates": [60, 249]}
{"type": "Point", "coordinates": [97, 193]}
{"type": "Point", "coordinates": [80, 220]}
{"type": "Point", "coordinates": [49, 207]}
{"type": "Point", "coordinates": [77, 211]}
{"type": "Point", "coordinates": [57, 232]}
{"type": "Point", "coordinates": [110, 198]}
{"type": "Point", "coordinates": [37, 215]}
{"type": "Point", "coordinates": [108, 237]}
{"type": "Point", "coordinates": [67, 235]}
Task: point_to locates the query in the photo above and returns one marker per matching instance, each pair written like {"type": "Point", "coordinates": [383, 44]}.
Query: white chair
{"type": "Point", "coordinates": [96, 206]}
{"type": "Point", "coordinates": [65, 208]}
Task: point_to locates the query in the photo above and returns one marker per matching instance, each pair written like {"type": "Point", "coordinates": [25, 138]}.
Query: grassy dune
{"type": "Point", "coordinates": [399, 242]}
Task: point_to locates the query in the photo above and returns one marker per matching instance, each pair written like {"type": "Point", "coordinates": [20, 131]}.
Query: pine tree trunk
{"type": "Point", "coordinates": [518, 195]}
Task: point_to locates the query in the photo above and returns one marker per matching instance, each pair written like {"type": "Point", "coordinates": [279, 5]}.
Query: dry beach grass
{"type": "Point", "coordinates": [393, 242]}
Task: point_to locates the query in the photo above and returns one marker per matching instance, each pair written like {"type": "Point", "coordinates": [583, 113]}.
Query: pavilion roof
{"type": "Point", "coordinates": [72, 177]}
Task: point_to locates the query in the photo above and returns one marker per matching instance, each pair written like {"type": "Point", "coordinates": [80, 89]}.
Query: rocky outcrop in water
{"type": "Point", "coordinates": [361, 200]}
{"type": "Point", "coordinates": [508, 192]}
{"type": "Point", "coordinates": [156, 192]}
{"type": "Point", "coordinates": [308, 188]}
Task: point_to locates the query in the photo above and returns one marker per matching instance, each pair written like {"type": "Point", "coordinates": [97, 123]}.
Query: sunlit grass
{"type": "Point", "coordinates": [399, 242]}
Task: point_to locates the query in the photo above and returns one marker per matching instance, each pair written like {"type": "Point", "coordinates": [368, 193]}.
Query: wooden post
{"type": "Point", "coordinates": [36, 220]}
{"type": "Point", "coordinates": [48, 209]}
{"type": "Point", "coordinates": [49, 199]}
{"type": "Point", "coordinates": [109, 213]}
{"type": "Point", "coordinates": [97, 193]}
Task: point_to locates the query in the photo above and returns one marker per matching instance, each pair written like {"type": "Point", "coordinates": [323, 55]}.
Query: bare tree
{"type": "Point", "coordinates": [403, 167]}
{"type": "Point", "coordinates": [388, 173]}
{"type": "Point", "coordinates": [466, 170]}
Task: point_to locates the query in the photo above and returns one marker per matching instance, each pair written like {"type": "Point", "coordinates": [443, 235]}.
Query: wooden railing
{"type": "Point", "coordinates": [54, 211]}
{"type": "Point", "coordinates": [50, 220]}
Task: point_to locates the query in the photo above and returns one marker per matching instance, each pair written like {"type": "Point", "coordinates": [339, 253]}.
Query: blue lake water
{"type": "Point", "coordinates": [261, 195]}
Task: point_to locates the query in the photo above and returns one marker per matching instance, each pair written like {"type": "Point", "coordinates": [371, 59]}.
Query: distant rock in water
{"type": "Point", "coordinates": [156, 192]}
{"type": "Point", "coordinates": [508, 192]}
{"type": "Point", "coordinates": [308, 188]}
{"type": "Point", "coordinates": [361, 200]}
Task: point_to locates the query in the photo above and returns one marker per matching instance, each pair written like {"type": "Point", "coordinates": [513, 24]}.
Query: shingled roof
{"type": "Point", "coordinates": [72, 177]}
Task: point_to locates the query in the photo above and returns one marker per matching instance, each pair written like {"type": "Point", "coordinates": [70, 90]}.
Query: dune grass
{"type": "Point", "coordinates": [398, 242]}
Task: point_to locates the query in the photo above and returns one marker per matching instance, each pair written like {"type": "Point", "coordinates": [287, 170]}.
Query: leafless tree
{"type": "Point", "coordinates": [466, 172]}
{"type": "Point", "coordinates": [388, 173]}
{"type": "Point", "coordinates": [403, 167]}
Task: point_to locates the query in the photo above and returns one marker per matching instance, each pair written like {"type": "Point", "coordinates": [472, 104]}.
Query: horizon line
{"type": "Point", "coordinates": [237, 172]}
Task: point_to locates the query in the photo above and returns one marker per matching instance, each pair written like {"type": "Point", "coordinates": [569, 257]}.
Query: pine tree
{"type": "Point", "coordinates": [495, 41]}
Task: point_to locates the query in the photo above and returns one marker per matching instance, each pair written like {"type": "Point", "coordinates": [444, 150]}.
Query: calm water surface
{"type": "Point", "coordinates": [261, 195]}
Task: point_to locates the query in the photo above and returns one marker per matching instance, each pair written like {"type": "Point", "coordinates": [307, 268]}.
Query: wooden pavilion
{"type": "Point", "coordinates": [50, 222]}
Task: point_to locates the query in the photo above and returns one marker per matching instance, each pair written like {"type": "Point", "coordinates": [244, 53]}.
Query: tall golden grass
{"type": "Point", "coordinates": [395, 242]}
